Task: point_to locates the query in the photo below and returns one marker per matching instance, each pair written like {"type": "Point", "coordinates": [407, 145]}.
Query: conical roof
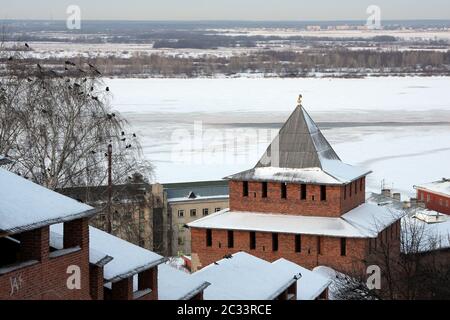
{"type": "Point", "coordinates": [299, 144]}
{"type": "Point", "coordinates": [301, 154]}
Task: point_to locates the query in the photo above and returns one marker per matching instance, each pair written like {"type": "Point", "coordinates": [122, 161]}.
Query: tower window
{"type": "Point", "coordinates": [245, 189]}
{"type": "Point", "coordinates": [230, 239]}
{"type": "Point", "coordinates": [323, 193]}
{"type": "Point", "coordinates": [343, 247]}
{"type": "Point", "coordinates": [252, 240]}
{"type": "Point", "coordinates": [283, 191]}
{"type": "Point", "coordinates": [274, 241]}
{"type": "Point", "coordinates": [264, 190]}
{"type": "Point", "coordinates": [208, 237]}
{"type": "Point", "coordinates": [298, 243]}
{"type": "Point", "coordinates": [319, 249]}
{"type": "Point", "coordinates": [303, 192]}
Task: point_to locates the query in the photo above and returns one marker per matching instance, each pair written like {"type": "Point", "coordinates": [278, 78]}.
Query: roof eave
{"type": "Point", "coordinates": [196, 291]}
{"type": "Point", "coordinates": [84, 214]}
{"type": "Point", "coordinates": [136, 270]}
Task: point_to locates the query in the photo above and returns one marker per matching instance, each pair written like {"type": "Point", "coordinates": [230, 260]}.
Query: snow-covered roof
{"type": "Point", "coordinates": [174, 284]}
{"type": "Point", "coordinates": [197, 190]}
{"type": "Point", "coordinates": [301, 154]}
{"type": "Point", "coordinates": [25, 205]}
{"type": "Point", "coordinates": [364, 221]}
{"type": "Point", "coordinates": [334, 173]}
{"type": "Point", "coordinates": [310, 285]}
{"type": "Point", "coordinates": [244, 277]}
{"type": "Point", "coordinates": [127, 258]}
{"type": "Point", "coordinates": [440, 187]}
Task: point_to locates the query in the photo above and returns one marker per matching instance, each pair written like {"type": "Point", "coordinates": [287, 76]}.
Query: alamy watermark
{"type": "Point", "coordinates": [73, 21]}
{"type": "Point", "coordinates": [374, 19]}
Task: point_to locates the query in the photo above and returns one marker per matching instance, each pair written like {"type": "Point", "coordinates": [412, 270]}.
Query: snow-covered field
{"type": "Point", "coordinates": [201, 129]}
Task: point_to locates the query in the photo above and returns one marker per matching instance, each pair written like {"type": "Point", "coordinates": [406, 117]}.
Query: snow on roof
{"type": "Point", "coordinates": [334, 172]}
{"type": "Point", "coordinates": [127, 258]}
{"type": "Point", "coordinates": [366, 220]}
{"type": "Point", "coordinates": [25, 205]}
{"type": "Point", "coordinates": [310, 285]}
{"type": "Point", "coordinates": [244, 277]}
{"type": "Point", "coordinates": [174, 284]}
{"type": "Point", "coordinates": [441, 186]}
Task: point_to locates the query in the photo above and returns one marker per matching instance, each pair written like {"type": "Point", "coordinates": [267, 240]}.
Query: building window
{"type": "Point", "coordinates": [245, 189]}
{"type": "Point", "coordinates": [193, 212]}
{"type": "Point", "coordinates": [217, 209]}
{"type": "Point", "coordinates": [441, 202]}
{"type": "Point", "coordinates": [252, 240]}
{"type": "Point", "coordinates": [230, 239]}
{"type": "Point", "coordinates": [428, 198]}
{"type": "Point", "coordinates": [205, 211]}
{"type": "Point", "coordinates": [446, 203]}
{"type": "Point", "coordinates": [264, 190]}
{"type": "Point", "coordinates": [208, 237]}
{"type": "Point", "coordinates": [298, 243]}
{"type": "Point", "coordinates": [350, 189]}
{"type": "Point", "coordinates": [319, 249]}
{"type": "Point", "coordinates": [274, 241]}
{"type": "Point", "coordinates": [323, 193]}
{"type": "Point", "coordinates": [343, 247]}
{"type": "Point", "coordinates": [283, 191]}
{"type": "Point", "coordinates": [180, 213]}
{"type": "Point", "coordinates": [303, 192]}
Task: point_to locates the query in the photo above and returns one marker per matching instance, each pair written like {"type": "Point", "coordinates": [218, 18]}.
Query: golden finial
{"type": "Point", "coordinates": [299, 100]}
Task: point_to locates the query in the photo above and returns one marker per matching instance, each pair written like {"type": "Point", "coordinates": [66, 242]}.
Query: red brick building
{"type": "Point", "coordinates": [435, 195]}
{"type": "Point", "coordinates": [299, 202]}
{"type": "Point", "coordinates": [48, 251]}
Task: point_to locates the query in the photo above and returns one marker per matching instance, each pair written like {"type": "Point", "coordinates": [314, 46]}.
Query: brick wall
{"type": "Point", "coordinates": [46, 279]}
{"type": "Point", "coordinates": [339, 199]}
{"type": "Point", "coordinates": [434, 202]}
{"type": "Point", "coordinates": [357, 249]}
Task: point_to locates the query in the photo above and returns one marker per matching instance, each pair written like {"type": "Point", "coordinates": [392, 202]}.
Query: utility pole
{"type": "Point", "coordinates": [109, 214]}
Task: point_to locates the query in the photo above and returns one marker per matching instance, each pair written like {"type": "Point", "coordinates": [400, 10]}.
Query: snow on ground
{"type": "Point", "coordinates": [205, 117]}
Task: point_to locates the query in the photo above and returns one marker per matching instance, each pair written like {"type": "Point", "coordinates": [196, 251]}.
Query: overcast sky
{"type": "Point", "coordinates": [225, 9]}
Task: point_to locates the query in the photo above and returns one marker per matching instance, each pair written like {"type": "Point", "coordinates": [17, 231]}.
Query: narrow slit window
{"type": "Point", "coordinates": [264, 190]}
{"type": "Point", "coordinates": [343, 247]}
{"type": "Point", "coordinates": [303, 192]}
{"type": "Point", "coordinates": [230, 239]}
{"type": "Point", "coordinates": [283, 191]}
{"type": "Point", "coordinates": [298, 243]}
{"type": "Point", "coordinates": [319, 245]}
{"type": "Point", "coordinates": [274, 241]}
{"type": "Point", "coordinates": [323, 193]}
{"type": "Point", "coordinates": [208, 237]}
{"type": "Point", "coordinates": [252, 240]}
{"type": "Point", "coordinates": [245, 189]}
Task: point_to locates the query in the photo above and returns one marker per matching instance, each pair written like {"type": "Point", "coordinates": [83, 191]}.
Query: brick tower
{"type": "Point", "coordinates": [299, 202]}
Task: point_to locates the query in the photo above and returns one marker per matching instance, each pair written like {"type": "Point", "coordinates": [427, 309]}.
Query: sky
{"type": "Point", "coordinates": [225, 9]}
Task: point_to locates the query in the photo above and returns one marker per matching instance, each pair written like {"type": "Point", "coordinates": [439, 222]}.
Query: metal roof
{"type": "Point", "coordinates": [299, 144]}
{"type": "Point", "coordinates": [202, 189]}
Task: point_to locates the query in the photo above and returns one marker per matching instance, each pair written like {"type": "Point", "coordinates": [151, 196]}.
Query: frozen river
{"type": "Point", "coordinates": [202, 129]}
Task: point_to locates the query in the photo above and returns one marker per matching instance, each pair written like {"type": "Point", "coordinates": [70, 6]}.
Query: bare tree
{"type": "Point", "coordinates": [57, 126]}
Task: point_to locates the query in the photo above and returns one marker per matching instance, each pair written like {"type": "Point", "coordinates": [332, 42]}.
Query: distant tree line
{"type": "Point", "coordinates": [341, 62]}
